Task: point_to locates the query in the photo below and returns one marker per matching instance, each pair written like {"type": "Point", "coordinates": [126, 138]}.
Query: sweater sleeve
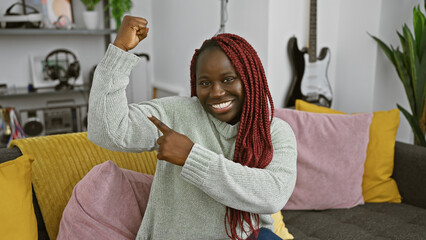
{"type": "Point", "coordinates": [263, 191]}
{"type": "Point", "coordinates": [112, 123]}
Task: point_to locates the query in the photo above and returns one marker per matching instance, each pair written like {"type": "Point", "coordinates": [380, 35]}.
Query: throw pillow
{"type": "Point", "coordinates": [17, 217]}
{"type": "Point", "coordinates": [377, 184]}
{"type": "Point", "coordinates": [331, 151]}
{"type": "Point", "coordinates": [108, 203]}
{"type": "Point", "coordinates": [279, 226]}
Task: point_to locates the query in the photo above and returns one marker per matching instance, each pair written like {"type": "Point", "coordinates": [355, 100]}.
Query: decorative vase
{"type": "Point", "coordinates": [91, 19]}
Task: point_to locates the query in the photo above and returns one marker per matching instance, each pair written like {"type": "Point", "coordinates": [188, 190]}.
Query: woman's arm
{"type": "Point", "coordinates": [112, 123]}
{"type": "Point", "coordinates": [255, 190]}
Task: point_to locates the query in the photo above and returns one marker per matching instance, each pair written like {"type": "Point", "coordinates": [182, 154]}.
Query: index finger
{"type": "Point", "coordinates": [160, 125]}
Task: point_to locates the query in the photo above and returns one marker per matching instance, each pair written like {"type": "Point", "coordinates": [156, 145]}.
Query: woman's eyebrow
{"type": "Point", "coordinates": [201, 77]}
{"type": "Point", "coordinates": [228, 73]}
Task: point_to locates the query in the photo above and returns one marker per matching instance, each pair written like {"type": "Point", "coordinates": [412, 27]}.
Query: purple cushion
{"type": "Point", "coordinates": [108, 203]}
{"type": "Point", "coordinates": [331, 152]}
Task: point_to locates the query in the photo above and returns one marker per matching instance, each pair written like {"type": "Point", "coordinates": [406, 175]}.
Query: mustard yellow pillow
{"type": "Point", "coordinates": [377, 184]}
{"type": "Point", "coordinates": [279, 226]}
{"type": "Point", "coordinates": [17, 217]}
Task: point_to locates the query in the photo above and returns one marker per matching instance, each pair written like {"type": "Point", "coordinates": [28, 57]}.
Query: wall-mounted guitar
{"type": "Point", "coordinates": [310, 81]}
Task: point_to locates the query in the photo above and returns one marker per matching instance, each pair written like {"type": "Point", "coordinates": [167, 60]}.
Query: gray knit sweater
{"type": "Point", "coordinates": [188, 202]}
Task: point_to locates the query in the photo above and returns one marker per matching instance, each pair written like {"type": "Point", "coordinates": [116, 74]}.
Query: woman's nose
{"type": "Point", "coordinates": [217, 91]}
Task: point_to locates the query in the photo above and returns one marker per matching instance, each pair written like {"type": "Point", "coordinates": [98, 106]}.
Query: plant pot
{"type": "Point", "coordinates": [91, 19]}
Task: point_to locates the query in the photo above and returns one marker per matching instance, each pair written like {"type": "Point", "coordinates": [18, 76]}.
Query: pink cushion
{"type": "Point", "coordinates": [108, 203]}
{"type": "Point", "coordinates": [331, 152]}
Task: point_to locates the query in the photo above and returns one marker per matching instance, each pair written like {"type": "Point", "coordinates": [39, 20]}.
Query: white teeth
{"type": "Point", "coordinates": [221, 105]}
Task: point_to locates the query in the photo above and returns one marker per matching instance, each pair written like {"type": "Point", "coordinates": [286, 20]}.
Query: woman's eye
{"type": "Point", "coordinates": [204, 83]}
{"type": "Point", "coordinates": [228, 79]}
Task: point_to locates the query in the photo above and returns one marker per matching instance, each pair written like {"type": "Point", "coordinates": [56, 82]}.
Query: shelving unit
{"type": "Point", "coordinates": [59, 32]}
{"type": "Point", "coordinates": [56, 32]}
{"type": "Point", "coordinates": [17, 45]}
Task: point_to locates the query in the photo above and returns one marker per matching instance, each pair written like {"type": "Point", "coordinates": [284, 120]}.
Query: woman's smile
{"type": "Point", "coordinates": [222, 107]}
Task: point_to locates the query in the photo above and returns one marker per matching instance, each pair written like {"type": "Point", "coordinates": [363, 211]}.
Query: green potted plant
{"type": "Point", "coordinates": [410, 64]}
{"type": "Point", "coordinates": [118, 8]}
{"type": "Point", "coordinates": [90, 16]}
{"type": "Point", "coordinates": [90, 4]}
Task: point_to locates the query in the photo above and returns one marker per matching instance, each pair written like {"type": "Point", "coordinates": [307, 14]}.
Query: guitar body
{"type": "Point", "coordinates": [310, 80]}
{"type": "Point", "coordinates": [315, 86]}
{"type": "Point", "coordinates": [297, 63]}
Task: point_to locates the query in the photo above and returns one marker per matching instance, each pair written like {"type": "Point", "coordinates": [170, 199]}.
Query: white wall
{"type": "Point", "coordinates": [363, 80]}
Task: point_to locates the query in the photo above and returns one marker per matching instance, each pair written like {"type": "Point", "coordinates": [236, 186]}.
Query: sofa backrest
{"type": "Point", "coordinates": [410, 173]}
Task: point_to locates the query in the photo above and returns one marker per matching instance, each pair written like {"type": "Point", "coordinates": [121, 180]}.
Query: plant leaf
{"type": "Point", "coordinates": [422, 81]}
{"type": "Point", "coordinates": [418, 25]}
{"type": "Point", "coordinates": [404, 77]}
{"type": "Point", "coordinates": [415, 126]}
{"type": "Point", "coordinates": [402, 40]}
{"type": "Point", "coordinates": [423, 43]}
{"type": "Point", "coordinates": [404, 46]}
{"type": "Point", "coordinates": [413, 61]}
{"type": "Point", "coordinates": [385, 49]}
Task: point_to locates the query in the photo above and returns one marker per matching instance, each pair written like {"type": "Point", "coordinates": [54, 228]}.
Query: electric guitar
{"type": "Point", "coordinates": [310, 81]}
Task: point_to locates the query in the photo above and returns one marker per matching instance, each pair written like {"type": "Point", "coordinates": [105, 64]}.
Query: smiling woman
{"type": "Point", "coordinates": [225, 160]}
{"type": "Point", "coordinates": [218, 86]}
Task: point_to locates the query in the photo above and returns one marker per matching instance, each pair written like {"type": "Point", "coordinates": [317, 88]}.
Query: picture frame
{"type": "Point", "coordinates": [53, 9]}
{"type": "Point", "coordinates": [39, 77]}
{"type": "Point", "coordinates": [59, 8]}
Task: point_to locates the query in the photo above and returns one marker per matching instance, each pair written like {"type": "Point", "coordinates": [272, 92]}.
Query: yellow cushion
{"type": "Point", "coordinates": [17, 218]}
{"type": "Point", "coordinates": [377, 184]}
{"type": "Point", "coordinates": [279, 226]}
{"type": "Point", "coordinates": [60, 161]}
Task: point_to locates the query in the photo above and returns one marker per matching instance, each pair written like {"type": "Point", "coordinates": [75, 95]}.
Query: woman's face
{"type": "Point", "coordinates": [218, 86]}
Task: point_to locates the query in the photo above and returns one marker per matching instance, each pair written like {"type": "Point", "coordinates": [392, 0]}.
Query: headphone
{"type": "Point", "coordinates": [57, 71]}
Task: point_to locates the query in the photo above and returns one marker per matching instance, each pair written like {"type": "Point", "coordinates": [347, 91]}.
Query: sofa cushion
{"type": "Point", "coordinates": [373, 221]}
{"type": "Point", "coordinates": [60, 157]}
{"type": "Point", "coordinates": [377, 184]}
{"type": "Point", "coordinates": [17, 218]}
{"type": "Point", "coordinates": [331, 151]}
{"type": "Point", "coordinates": [108, 203]}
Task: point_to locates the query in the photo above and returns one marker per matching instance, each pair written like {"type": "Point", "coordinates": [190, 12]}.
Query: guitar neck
{"type": "Point", "coordinates": [312, 50]}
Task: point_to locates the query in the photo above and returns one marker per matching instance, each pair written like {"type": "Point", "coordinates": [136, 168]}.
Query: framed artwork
{"type": "Point", "coordinates": [40, 79]}
{"type": "Point", "coordinates": [57, 8]}
{"type": "Point", "coordinates": [53, 9]}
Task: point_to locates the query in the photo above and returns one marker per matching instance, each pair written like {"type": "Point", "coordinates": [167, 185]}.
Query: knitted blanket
{"type": "Point", "coordinates": [60, 161]}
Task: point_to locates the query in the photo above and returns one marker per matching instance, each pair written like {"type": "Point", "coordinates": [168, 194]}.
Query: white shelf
{"type": "Point", "coordinates": [21, 31]}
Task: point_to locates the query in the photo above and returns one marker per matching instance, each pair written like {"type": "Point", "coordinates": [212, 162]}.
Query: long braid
{"type": "Point", "coordinates": [253, 146]}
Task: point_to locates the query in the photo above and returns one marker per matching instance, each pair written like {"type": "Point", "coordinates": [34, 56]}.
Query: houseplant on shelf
{"type": "Point", "coordinates": [410, 64]}
{"type": "Point", "coordinates": [90, 16]}
{"type": "Point", "coordinates": [118, 8]}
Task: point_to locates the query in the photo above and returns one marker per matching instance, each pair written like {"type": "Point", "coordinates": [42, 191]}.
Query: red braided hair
{"type": "Point", "coordinates": [253, 146]}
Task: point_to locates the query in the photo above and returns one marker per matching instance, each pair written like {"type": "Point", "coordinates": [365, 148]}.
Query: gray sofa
{"type": "Point", "coordinates": [375, 221]}
{"type": "Point", "coordinates": [369, 221]}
